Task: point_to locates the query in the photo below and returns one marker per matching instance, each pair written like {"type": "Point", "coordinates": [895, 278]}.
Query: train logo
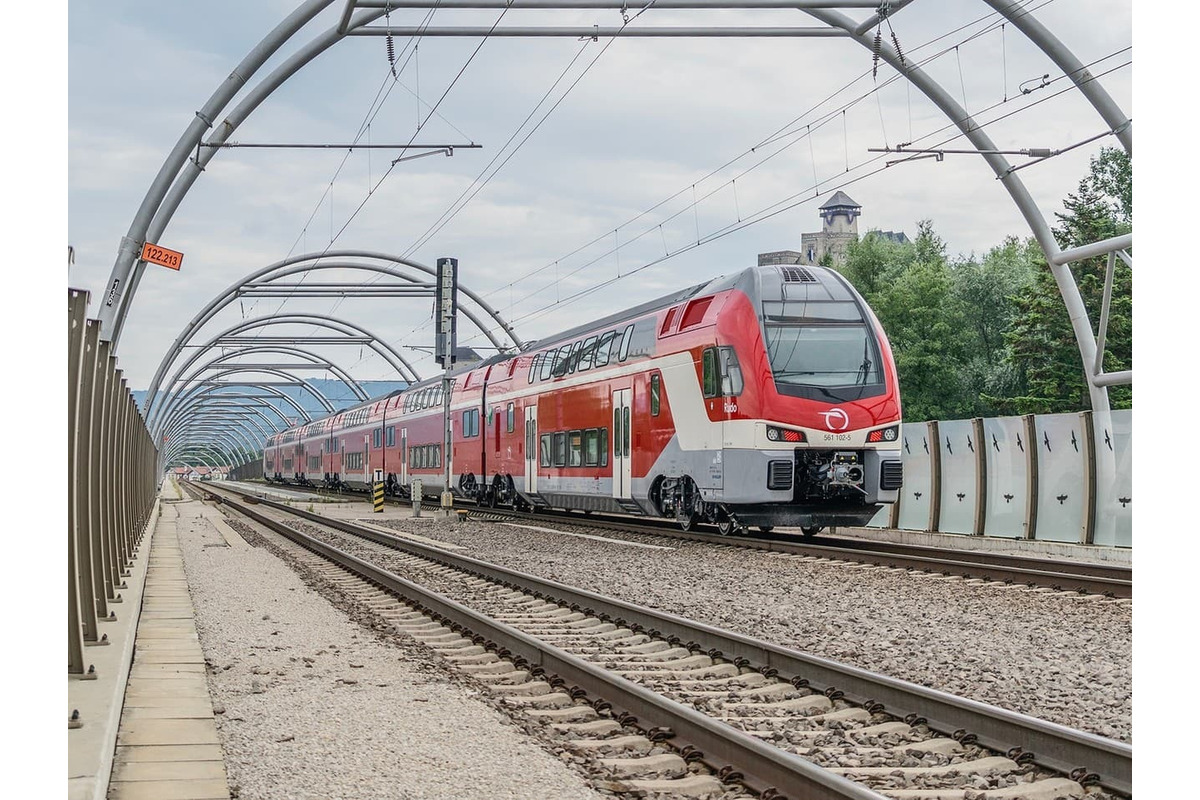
{"type": "Point", "coordinates": [835, 415]}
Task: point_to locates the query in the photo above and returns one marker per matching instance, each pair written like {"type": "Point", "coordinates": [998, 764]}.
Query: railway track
{"type": "Point", "coordinates": [1084, 578]}
{"type": "Point", "coordinates": [757, 716]}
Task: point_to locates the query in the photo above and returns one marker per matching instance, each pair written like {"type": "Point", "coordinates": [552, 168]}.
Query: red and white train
{"type": "Point", "coordinates": [768, 397]}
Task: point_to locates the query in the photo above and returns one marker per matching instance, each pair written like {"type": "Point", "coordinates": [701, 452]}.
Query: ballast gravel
{"type": "Point", "coordinates": [1058, 656]}
{"type": "Point", "coordinates": [311, 704]}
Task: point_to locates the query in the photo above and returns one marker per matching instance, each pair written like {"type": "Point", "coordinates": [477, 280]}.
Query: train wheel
{"type": "Point", "coordinates": [728, 525]}
{"type": "Point", "coordinates": [810, 531]}
{"type": "Point", "coordinates": [766, 528]}
{"type": "Point", "coordinates": [688, 521]}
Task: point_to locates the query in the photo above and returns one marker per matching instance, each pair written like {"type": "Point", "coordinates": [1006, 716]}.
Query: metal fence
{"type": "Point", "coordinates": [111, 463]}
{"type": "Point", "coordinates": [1054, 477]}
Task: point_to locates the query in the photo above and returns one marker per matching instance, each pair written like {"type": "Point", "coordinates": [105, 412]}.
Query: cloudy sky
{"type": "Point", "coordinates": [608, 172]}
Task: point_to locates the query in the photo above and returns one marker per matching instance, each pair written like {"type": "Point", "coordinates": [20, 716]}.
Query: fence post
{"type": "Point", "coordinates": [1031, 489]}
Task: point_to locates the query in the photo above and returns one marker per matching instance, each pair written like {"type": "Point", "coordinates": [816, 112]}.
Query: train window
{"type": "Point", "coordinates": [603, 347]}
{"type": "Point", "coordinates": [560, 449]}
{"type": "Point", "coordinates": [694, 314]}
{"type": "Point", "coordinates": [710, 382]}
{"type": "Point", "coordinates": [731, 372]}
{"type": "Point", "coordinates": [575, 449]}
{"type": "Point", "coordinates": [533, 367]}
{"type": "Point", "coordinates": [391, 436]}
{"type": "Point", "coordinates": [655, 392]}
{"type": "Point", "coordinates": [546, 446]}
{"type": "Point", "coordinates": [616, 433]}
{"type": "Point", "coordinates": [573, 358]}
{"type": "Point", "coordinates": [626, 338]}
{"type": "Point", "coordinates": [587, 352]}
{"type": "Point", "coordinates": [547, 365]}
{"type": "Point", "coordinates": [627, 432]}
{"type": "Point", "coordinates": [670, 318]}
{"type": "Point", "coordinates": [377, 437]}
{"type": "Point", "coordinates": [512, 416]}
{"type": "Point", "coordinates": [823, 355]}
{"type": "Point", "coordinates": [591, 447]}
{"type": "Point", "coordinates": [561, 357]}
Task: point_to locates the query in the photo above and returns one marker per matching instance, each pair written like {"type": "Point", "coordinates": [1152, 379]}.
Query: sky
{"type": "Point", "coordinates": [607, 173]}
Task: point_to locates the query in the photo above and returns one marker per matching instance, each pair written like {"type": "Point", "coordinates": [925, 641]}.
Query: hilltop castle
{"type": "Point", "coordinates": [839, 227]}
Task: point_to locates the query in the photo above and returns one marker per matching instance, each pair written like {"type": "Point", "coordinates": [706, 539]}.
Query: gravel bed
{"type": "Point", "coordinates": [1057, 656]}
{"type": "Point", "coordinates": [312, 704]}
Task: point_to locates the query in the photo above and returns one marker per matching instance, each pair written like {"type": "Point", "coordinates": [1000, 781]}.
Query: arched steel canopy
{"type": "Point", "coordinates": [346, 329]}
{"type": "Point", "coordinates": [157, 208]}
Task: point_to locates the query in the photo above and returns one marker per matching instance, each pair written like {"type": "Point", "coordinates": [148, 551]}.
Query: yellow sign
{"type": "Point", "coordinates": [161, 256]}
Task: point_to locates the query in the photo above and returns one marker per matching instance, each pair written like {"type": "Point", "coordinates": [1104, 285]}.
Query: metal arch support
{"type": "Point", "coordinates": [296, 264]}
{"type": "Point", "coordinates": [158, 207]}
{"type": "Point", "coordinates": [1071, 66]}
{"type": "Point", "coordinates": [113, 307]}
{"type": "Point", "coordinates": [311, 358]}
{"type": "Point", "coordinates": [388, 353]}
{"type": "Point", "coordinates": [1076, 310]}
{"type": "Point", "coordinates": [232, 371]}
{"type": "Point", "coordinates": [226, 431]}
{"type": "Point", "coordinates": [246, 416]}
{"type": "Point", "coordinates": [323, 261]}
{"type": "Point", "coordinates": [185, 394]}
{"type": "Point", "coordinates": [377, 345]}
{"type": "Point", "coordinates": [199, 408]}
{"type": "Point", "coordinates": [204, 448]}
{"type": "Point", "coordinates": [270, 389]}
{"type": "Point", "coordinates": [230, 437]}
{"type": "Point", "coordinates": [222, 431]}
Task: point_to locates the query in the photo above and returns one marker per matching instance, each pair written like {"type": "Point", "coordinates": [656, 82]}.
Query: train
{"type": "Point", "coordinates": [763, 398]}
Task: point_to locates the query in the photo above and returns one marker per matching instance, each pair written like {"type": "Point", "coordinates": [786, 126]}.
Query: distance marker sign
{"type": "Point", "coordinates": [161, 256]}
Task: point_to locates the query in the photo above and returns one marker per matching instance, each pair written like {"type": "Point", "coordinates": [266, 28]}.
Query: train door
{"type": "Point", "coordinates": [621, 462]}
{"type": "Point", "coordinates": [531, 449]}
{"type": "Point", "coordinates": [404, 456]}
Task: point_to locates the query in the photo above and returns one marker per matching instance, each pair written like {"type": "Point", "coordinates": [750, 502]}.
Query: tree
{"type": "Point", "coordinates": [1042, 342]}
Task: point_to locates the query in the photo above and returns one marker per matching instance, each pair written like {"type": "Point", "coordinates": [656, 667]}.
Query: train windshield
{"type": "Point", "coordinates": [823, 355]}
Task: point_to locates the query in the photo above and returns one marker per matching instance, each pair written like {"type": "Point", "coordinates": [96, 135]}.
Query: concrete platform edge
{"type": "Point", "coordinates": [91, 749]}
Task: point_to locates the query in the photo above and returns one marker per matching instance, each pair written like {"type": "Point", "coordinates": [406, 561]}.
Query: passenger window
{"type": "Point", "coordinates": [560, 449]}
{"type": "Point", "coordinates": [545, 462]}
{"type": "Point", "coordinates": [534, 363]}
{"type": "Point", "coordinates": [575, 449]}
{"type": "Point", "coordinates": [511, 418]}
{"type": "Point", "coordinates": [573, 358]}
{"type": "Point", "coordinates": [547, 364]}
{"type": "Point", "coordinates": [603, 348]}
{"type": "Point", "coordinates": [587, 353]}
{"type": "Point", "coordinates": [591, 447]}
{"type": "Point", "coordinates": [625, 342]}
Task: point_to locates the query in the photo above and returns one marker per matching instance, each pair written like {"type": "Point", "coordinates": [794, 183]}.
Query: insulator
{"type": "Point", "coordinates": [896, 43]}
{"type": "Point", "coordinates": [875, 50]}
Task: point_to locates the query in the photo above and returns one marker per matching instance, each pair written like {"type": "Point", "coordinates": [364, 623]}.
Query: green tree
{"type": "Point", "coordinates": [911, 288]}
{"type": "Point", "coordinates": [1042, 342]}
{"type": "Point", "coordinates": [987, 292]}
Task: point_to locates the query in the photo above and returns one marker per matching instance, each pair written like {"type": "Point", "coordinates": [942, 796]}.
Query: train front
{"type": "Point", "coordinates": [826, 429]}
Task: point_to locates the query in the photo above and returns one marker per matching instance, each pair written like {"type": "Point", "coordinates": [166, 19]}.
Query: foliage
{"type": "Point", "coordinates": [991, 336]}
{"type": "Point", "coordinates": [1041, 341]}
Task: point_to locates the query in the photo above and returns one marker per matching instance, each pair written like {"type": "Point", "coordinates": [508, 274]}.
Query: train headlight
{"type": "Point", "coordinates": [784, 435]}
{"type": "Point", "coordinates": [884, 434]}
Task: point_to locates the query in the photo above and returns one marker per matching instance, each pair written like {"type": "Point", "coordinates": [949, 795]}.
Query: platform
{"type": "Point", "coordinates": [148, 731]}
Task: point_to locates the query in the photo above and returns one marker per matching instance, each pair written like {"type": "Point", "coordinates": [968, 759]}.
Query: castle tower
{"type": "Point", "coordinates": [839, 227]}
